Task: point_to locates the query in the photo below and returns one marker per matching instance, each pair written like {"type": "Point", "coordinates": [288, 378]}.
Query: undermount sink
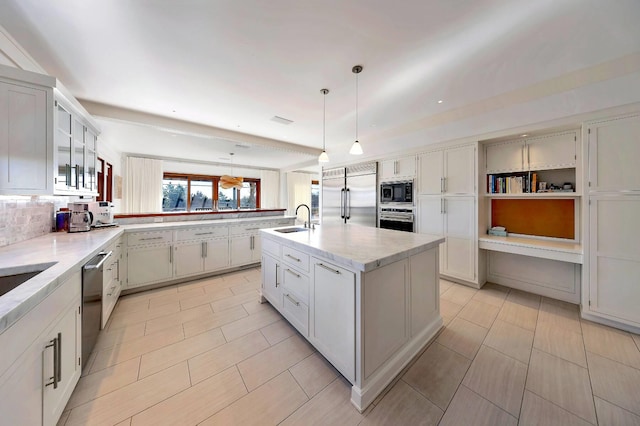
{"type": "Point", "coordinates": [10, 278]}
{"type": "Point", "coordinates": [290, 230]}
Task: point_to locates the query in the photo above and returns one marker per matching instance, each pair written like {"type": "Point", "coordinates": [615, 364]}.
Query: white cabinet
{"type": "Point", "coordinates": [548, 152]}
{"type": "Point", "coordinates": [25, 140]}
{"type": "Point", "coordinates": [505, 157]}
{"type": "Point", "coordinates": [75, 152]}
{"type": "Point", "coordinates": [200, 250]}
{"type": "Point", "coordinates": [611, 289]}
{"type": "Point", "coordinates": [61, 370]}
{"type": "Point", "coordinates": [295, 288]}
{"type": "Point", "coordinates": [188, 258]}
{"type": "Point", "coordinates": [449, 171]}
{"type": "Point", "coordinates": [245, 243]}
{"type": "Point", "coordinates": [40, 363]}
{"type": "Point", "coordinates": [149, 257]}
{"type": "Point", "coordinates": [271, 279]}
{"type": "Point", "coordinates": [454, 219]}
{"type": "Point", "coordinates": [333, 310]}
{"type": "Point", "coordinates": [398, 168]}
{"type": "Point", "coordinates": [149, 264]}
{"type": "Point", "coordinates": [111, 280]}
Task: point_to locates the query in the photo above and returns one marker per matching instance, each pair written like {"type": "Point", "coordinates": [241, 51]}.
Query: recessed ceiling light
{"type": "Point", "coordinates": [281, 120]}
{"type": "Point", "coordinates": [524, 136]}
{"type": "Point", "coordinates": [440, 101]}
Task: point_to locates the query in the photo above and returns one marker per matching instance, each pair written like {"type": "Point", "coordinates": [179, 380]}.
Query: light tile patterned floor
{"type": "Point", "coordinates": [206, 352]}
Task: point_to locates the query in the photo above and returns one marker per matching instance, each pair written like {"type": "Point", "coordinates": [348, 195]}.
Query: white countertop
{"type": "Point", "coordinates": [357, 247]}
{"type": "Point", "coordinates": [69, 252]}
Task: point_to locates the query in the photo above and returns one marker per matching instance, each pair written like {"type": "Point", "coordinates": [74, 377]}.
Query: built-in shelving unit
{"type": "Point", "coordinates": [542, 252]}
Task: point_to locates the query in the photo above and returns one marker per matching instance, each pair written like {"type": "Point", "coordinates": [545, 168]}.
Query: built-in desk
{"type": "Point", "coordinates": [546, 267]}
{"type": "Point", "coordinates": [534, 247]}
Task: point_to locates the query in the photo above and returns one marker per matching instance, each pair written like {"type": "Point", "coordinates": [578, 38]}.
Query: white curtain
{"type": "Point", "coordinates": [298, 192]}
{"type": "Point", "coordinates": [143, 185]}
{"type": "Point", "coordinates": [269, 189]}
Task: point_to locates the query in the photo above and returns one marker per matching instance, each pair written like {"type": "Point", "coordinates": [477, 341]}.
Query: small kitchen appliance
{"type": "Point", "coordinates": [80, 217]}
{"type": "Point", "coordinates": [101, 214]}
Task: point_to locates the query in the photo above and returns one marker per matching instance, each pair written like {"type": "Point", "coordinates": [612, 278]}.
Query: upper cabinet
{"type": "Point", "coordinates": [75, 153]}
{"type": "Point", "coordinates": [399, 168]}
{"type": "Point", "coordinates": [557, 151]}
{"type": "Point", "coordinates": [49, 146]}
{"type": "Point", "coordinates": [447, 171]}
{"type": "Point", "coordinates": [26, 114]}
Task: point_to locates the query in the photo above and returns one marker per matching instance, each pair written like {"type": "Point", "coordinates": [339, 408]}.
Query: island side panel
{"type": "Point", "coordinates": [386, 306]}
{"type": "Point", "coordinates": [425, 289]}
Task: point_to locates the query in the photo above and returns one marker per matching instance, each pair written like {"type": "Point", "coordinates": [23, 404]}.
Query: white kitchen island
{"type": "Point", "coordinates": [366, 298]}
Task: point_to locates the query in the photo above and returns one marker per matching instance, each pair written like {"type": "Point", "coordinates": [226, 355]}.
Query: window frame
{"type": "Point", "coordinates": [215, 181]}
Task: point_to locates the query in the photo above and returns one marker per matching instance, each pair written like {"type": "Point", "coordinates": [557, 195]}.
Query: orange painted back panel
{"type": "Point", "coordinates": [548, 218]}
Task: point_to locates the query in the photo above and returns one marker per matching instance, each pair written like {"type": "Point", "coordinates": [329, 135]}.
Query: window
{"type": "Point", "coordinates": [203, 197]}
{"type": "Point", "coordinates": [174, 194]}
{"type": "Point", "coordinates": [315, 200]}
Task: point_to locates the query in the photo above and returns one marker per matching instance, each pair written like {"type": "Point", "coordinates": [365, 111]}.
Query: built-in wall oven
{"type": "Point", "coordinates": [397, 218]}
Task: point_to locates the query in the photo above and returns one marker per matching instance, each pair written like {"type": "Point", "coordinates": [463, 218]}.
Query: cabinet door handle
{"type": "Point", "coordinates": [77, 167]}
{"type": "Point", "coordinates": [395, 167]}
{"type": "Point", "coordinates": [441, 205]}
{"type": "Point", "coordinates": [444, 203]}
{"type": "Point", "coordinates": [151, 238]}
{"type": "Point", "coordinates": [59, 360]}
{"type": "Point", "coordinates": [277, 283]}
{"type": "Point", "coordinates": [294, 301]}
{"type": "Point", "coordinates": [204, 233]}
{"type": "Point", "coordinates": [54, 343]}
{"type": "Point", "coordinates": [292, 273]}
{"type": "Point", "coordinates": [335, 271]}
{"type": "Point", "coordinates": [171, 254]}
{"type": "Point", "coordinates": [441, 185]}
{"type": "Point", "coordinates": [118, 269]}
{"type": "Point", "coordinates": [292, 257]}
{"type": "Point", "coordinates": [111, 290]}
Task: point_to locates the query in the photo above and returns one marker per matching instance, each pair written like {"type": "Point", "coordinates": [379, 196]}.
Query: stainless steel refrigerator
{"type": "Point", "coordinates": [349, 194]}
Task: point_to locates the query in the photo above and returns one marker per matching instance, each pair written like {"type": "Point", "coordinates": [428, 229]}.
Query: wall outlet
{"type": "Point", "coordinates": [157, 219]}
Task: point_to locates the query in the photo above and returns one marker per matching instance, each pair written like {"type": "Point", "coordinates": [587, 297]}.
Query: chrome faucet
{"type": "Point", "coordinates": [308, 214]}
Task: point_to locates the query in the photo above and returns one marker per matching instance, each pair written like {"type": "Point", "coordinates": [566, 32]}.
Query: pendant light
{"type": "Point", "coordinates": [324, 158]}
{"type": "Point", "coordinates": [229, 181]}
{"type": "Point", "coordinates": [356, 148]}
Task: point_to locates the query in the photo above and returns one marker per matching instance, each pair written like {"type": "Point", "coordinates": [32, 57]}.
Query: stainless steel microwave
{"type": "Point", "coordinates": [396, 192]}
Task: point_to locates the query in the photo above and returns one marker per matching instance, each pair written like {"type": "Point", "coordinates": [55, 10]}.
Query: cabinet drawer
{"type": "Point", "coordinates": [157, 237]}
{"type": "Point", "coordinates": [296, 258]}
{"type": "Point", "coordinates": [201, 233]}
{"type": "Point", "coordinates": [248, 229]}
{"type": "Point", "coordinates": [296, 282]}
{"type": "Point", "coordinates": [296, 312]}
{"type": "Point", "coordinates": [271, 247]}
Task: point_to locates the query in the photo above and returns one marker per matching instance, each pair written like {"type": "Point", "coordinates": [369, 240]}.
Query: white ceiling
{"type": "Point", "coordinates": [236, 64]}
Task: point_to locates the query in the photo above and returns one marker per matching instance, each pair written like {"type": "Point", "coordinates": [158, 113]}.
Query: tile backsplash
{"type": "Point", "coordinates": [23, 218]}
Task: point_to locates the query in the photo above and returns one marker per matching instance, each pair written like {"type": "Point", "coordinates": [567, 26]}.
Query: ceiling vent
{"type": "Point", "coordinates": [281, 120]}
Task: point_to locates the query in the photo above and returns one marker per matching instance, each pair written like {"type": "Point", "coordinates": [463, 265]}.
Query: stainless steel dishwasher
{"type": "Point", "coordinates": [92, 278]}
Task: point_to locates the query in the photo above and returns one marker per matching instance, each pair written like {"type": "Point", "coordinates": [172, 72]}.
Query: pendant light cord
{"type": "Point", "coordinates": [356, 106]}
{"type": "Point", "coordinates": [324, 119]}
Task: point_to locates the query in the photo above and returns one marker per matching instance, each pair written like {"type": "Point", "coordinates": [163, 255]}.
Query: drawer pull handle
{"type": "Point", "coordinates": [204, 233]}
{"type": "Point", "coordinates": [291, 257]}
{"type": "Point", "coordinates": [251, 229]}
{"type": "Point", "coordinates": [292, 273]}
{"type": "Point", "coordinates": [149, 239]}
{"type": "Point", "coordinates": [294, 301]}
{"type": "Point", "coordinates": [335, 271]}
{"type": "Point", "coordinates": [112, 289]}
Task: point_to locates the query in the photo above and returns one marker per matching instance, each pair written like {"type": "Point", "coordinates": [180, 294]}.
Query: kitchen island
{"type": "Point", "coordinates": [366, 298]}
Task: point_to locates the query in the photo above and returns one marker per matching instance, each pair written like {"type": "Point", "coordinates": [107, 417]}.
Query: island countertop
{"type": "Point", "coordinates": [362, 248]}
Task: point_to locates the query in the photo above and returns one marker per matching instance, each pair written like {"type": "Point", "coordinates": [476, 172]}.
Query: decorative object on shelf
{"type": "Point", "coordinates": [499, 231]}
{"type": "Point", "coordinates": [356, 148]}
{"type": "Point", "coordinates": [324, 158]}
{"type": "Point", "coordinates": [227, 181]}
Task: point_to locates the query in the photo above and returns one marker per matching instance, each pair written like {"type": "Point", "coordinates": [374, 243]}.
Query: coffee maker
{"type": "Point", "coordinates": [80, 217]}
